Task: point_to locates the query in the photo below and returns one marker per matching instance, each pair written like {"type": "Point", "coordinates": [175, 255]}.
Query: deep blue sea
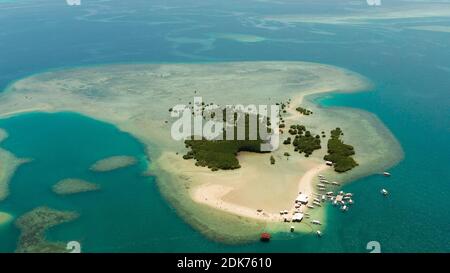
{"type": "Point", "coordinates": [410, 71]}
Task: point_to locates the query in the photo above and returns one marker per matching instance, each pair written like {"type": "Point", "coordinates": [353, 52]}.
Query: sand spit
{"type": "Point", "coordinates": [8, 166]}
{"type": "Point", "coordinates": [5, 218]}
{"type": "Point", "coordinates": [113, 163]}
{"type": "Point", "coordinates": [222, 205]}
{"type": "Point", "coordinates": [72, 186]}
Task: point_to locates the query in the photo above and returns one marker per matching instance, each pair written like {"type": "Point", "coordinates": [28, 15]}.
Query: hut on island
{"type": "Point", "coordinates": [297, 217]}
{"type": "Point", "coordinates": [302, 199]}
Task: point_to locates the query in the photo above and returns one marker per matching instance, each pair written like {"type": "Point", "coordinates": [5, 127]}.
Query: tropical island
{"type": "Point", "coordinates": [231, 205]}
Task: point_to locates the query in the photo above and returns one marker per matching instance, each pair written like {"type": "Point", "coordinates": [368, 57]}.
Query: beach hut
{"type": "Point", "coordinates": [297, 217]}
{"type": "Point", "coordinates": [302, 198]}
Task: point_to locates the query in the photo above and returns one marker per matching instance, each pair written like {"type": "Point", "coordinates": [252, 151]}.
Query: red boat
{"type": "Point", "coordinates": [265, 237]}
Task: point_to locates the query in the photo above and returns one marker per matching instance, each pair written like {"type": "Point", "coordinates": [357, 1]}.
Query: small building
{"type": "Point", "coordinates": [302, 199]}
{"type": "Point", "coordinates": [297, 217]}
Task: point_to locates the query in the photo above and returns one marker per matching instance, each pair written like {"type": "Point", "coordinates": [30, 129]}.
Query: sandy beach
{"type": "Point", "coordinates": [213, 195]}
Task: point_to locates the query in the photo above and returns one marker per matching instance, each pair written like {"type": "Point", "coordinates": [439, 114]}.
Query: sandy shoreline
{"type": "Point", "coordinates": [212, 195]}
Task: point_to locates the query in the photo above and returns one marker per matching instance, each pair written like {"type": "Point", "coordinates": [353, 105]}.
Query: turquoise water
{"type": "Point", "coordinates": [411, 75]}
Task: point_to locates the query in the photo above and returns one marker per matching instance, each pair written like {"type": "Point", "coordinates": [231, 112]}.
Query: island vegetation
{"type": "Point", "coordinates": [272, 160]}
{"type": "Point", "coordinates": [221, 153]}
{"type": "Point", "coordinates": [304, 111]}
{"type": "Point", "coordinates": [33, 226]}
{"type": "Point", "coordinates": [72, 186]}
{"type": "Point", "coordinates": [340, 153]}
{"type": "Point", "coordinates": [304, 141]}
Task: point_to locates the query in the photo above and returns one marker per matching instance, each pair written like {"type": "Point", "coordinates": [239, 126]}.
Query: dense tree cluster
{"type": "Point", "coordinates": [304, 111]}
{"type": "Point", "coordinates": [340, 153]}
{"type": "Point", "coordinates": [304, 141]}
{"type": "Point", "coordinates": [221, 154]}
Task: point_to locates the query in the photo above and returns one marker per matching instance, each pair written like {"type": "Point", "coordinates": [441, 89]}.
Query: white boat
{"type": "Point", "coordinates": [316, 222]}
{"type": "Point", "coordinates": [309, 206]}
{"type": "Point", "coordinates": [317, 200]}
{"type": "Point", "coordinates": [329, 193]}
{"type": "Point", "coordinates": [344, 208]}
{"type": "Point", "coordinates": [348, 194]}
{"type": "Point", "coordinates": [320, 185]}
{"type": "Point", "coordinates": [321, 189]}
{"type": "Point", "coordinates": [323, 197]}
{"type": "Point", "coordinates": [350, 202]}
{"type": "Point", "coordinates": [335, 183]}
{"type": "Point", "coordinates": [386, 174]}
{"type": "Point", "coordinates": [346, 197]}
{"type": "Point", "coordinates": [319, 233]}
{"type": "Point", "coordinates": [334, 202]}
{"type": "Point", "coordinates": [317, 203]}
{"type": "Point", "coordinates": [341, 193]}
{"type": "Point", "coordinates": [384, 192]}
